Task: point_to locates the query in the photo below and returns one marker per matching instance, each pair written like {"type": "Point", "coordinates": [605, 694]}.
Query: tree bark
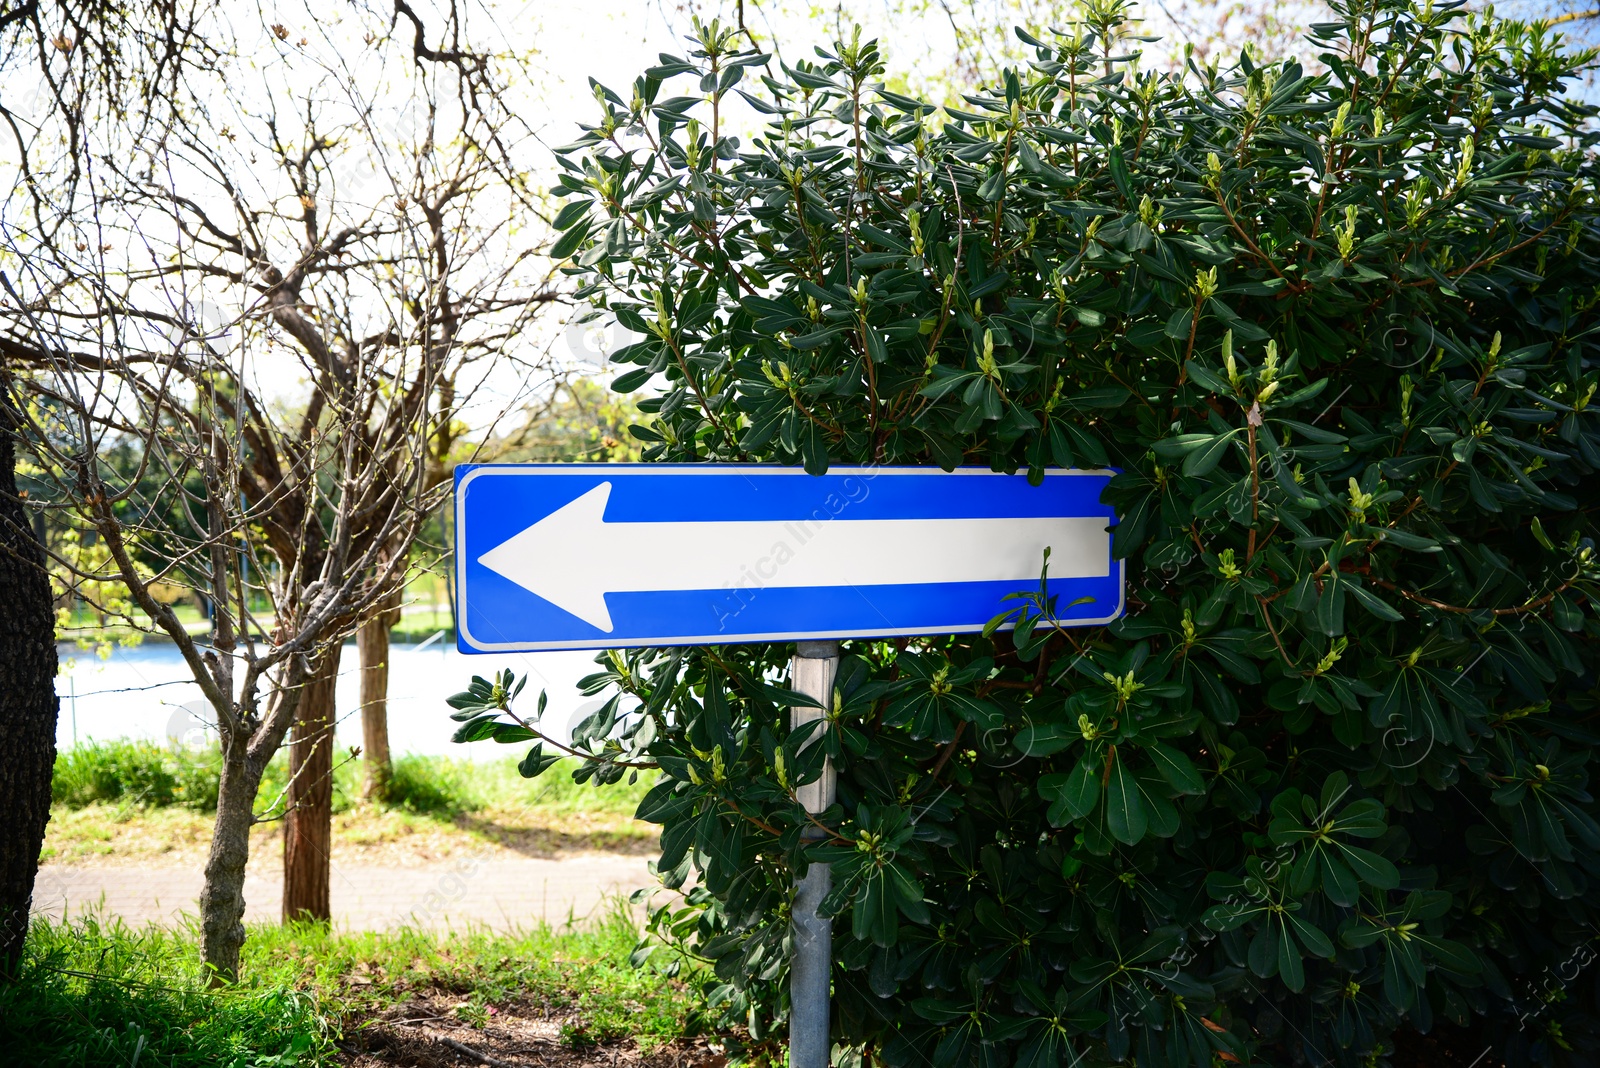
{"type": "Point", "coordinates": [373, 643]}
{"type": "Point", "coordinates": [308, 826]}
{"type": "Point", "coordinates": [222, 897]}
{"type": "Point", "coordinates": [28, 703]}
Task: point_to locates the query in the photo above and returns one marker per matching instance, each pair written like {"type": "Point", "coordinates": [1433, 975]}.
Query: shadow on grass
{"type": "Point", "coordinates": [547, 842]}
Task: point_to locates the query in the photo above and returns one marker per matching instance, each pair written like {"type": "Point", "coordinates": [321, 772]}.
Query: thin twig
{"type": "Point", "coordinates": [482, 1058]}
{"type": "Point", "coordinates": [949, 751]}
{"type": "Point", "coordinates": [1531, 606]}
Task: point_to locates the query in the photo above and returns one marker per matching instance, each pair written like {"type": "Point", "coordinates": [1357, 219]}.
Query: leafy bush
{"type": "Point", "coordinates": [431, 786]}
{"type": "Point", "coordinates": [1321, 796]}
{"type": "Point", "coordinates": [127, 771]}
{"type": "Point", "coordinates": [136, 772]}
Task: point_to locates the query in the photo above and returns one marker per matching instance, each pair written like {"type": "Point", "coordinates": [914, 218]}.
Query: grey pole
{"type": "Point", "coordinates": [810, 1042]}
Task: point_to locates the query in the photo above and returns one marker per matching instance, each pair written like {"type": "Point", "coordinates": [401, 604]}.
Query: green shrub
{"type": "Point", "coordinates": [135, 772]}
{"type": "Point", "coordinates": [120, 770]}
{"type": "Point", "coordinates": [1321, 795]}
{"type": "Point", "coordinates": [347, 782]}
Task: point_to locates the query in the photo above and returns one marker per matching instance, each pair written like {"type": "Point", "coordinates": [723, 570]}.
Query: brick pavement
{"type": "Point", "coordinates": [494, 890]}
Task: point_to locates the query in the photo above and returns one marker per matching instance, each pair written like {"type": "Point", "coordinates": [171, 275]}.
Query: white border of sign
{"type": "Point", "coordinates": [590, 470]}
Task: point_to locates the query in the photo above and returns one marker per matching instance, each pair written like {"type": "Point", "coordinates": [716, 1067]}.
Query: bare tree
{"type": "Point", "coordinates": [281, 298]}
{"type": "Point", "coordinates": [75, 58]}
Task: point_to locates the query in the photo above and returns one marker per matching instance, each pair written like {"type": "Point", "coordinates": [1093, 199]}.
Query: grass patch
{"type": "Point", "coordinates": [97, 993]}
{"type": "Point", "coordinates": [415, 627]}
{"type": "Point", "coordinates": [504, 787]}
{"type": "Point", "coordinates": [579, 973]}
{"type": "Point", "coordinates": [130, 800]}
{"type": "Point", "coordinates": [92, 992]}
{"type": "Point", "coordinates": [144, 774]}
{"type": "Point", "coordinates": [118, 832]}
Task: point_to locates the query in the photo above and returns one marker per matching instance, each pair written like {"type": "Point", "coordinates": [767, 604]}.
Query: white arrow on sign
{"type": "Point", "coordinates": [573, 557]}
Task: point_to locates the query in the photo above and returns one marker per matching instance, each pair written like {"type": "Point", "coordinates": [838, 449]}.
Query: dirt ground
{"type": "Point", "coordinates": [427, 1032]}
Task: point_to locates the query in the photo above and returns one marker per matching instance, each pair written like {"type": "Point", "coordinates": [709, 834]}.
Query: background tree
{"type": "Point", "coordinates": [580, 420]}
{"type": "Point", "coordinates": [372, 645]}
{"type": "Point", "coordinates": [133, 59]}
{"type": "Point", "coordinates": [28, 701]}
{"type": "Point", "coordinates": [280, 299]}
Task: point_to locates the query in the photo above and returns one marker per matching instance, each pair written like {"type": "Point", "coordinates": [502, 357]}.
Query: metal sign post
{"type": "Point", "coordinates": [813, 670]}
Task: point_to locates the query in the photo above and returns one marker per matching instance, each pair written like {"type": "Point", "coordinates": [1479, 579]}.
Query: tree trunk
{"type": "Point", "coordinates": [222, 897]}
{"type": "Point", "coordinates": [28, 702]}
{"type": "Point", "coordinates": [308, 827]}
{"type": "Point", "coordinates": [373, 642]}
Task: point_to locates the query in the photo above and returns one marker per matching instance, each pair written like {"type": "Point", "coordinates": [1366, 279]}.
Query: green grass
{"type": "Point", "coordinates": [585, 968]}
{"type": "Point", "coordinates": [420, 626]}
{"type": "Point", "coordinates": [138, 800]}
{"type": "Point", "coordinates": [135, 773]}
{"type": "Point", "coordinates": [94, 992]}
{"type": "Point", "coordinates": [145, 774]}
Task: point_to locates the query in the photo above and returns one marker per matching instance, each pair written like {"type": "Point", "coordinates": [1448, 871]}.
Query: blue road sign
{"type": "Point", "coordinates": [598, 556]}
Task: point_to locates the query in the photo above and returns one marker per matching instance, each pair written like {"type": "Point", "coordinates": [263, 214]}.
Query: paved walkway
{"type": "Point", "coordinates": [497, 891]}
